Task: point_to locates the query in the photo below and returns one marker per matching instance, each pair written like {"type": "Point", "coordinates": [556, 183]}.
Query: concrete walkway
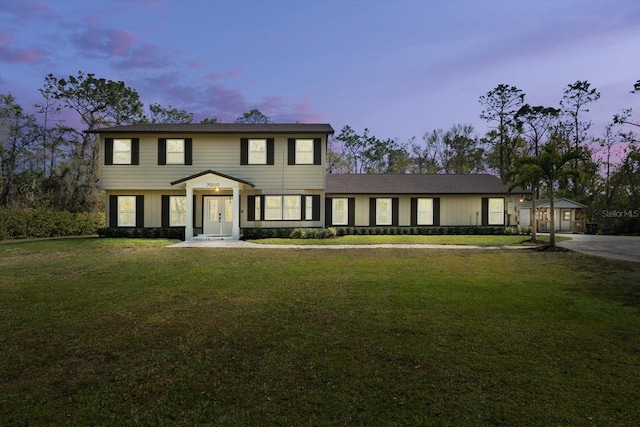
{"type": "Point", "coordinates": [626, 248]}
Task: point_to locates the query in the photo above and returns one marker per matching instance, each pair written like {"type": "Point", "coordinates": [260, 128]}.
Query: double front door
{"type": "Point", "coordinates": [218, 215]}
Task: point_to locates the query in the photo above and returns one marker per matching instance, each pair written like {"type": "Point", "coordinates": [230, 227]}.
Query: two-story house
{"type": "Point", "coordinates": [217, 179]}
{"type": "Point", "coordinates": [214, 179]}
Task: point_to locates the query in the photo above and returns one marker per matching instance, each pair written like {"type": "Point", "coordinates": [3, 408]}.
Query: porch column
{"type": "Point", "coordinates": [235, 230]}
{"type": "Point", "coordinates": [188, 231]}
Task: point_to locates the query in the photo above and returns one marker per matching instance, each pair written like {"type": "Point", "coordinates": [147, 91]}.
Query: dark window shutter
{"type": "Point", "coordinates": [162, 151]}
{"type": "Point", "coordinates": [251, 208]}
{"type": "Point", "coordinates": [165, 211]}
{"type": "Point", "coordinates": [135, 151]}
{"type": "Point", "coordinates": [108, 151]}
{"type": "Point", "coordinates": [315, 207]}
{"type": "Point", "coordinates": [436, 211]}
{"type": "Point", "coordinates": [414, 211]}
{"type": "Point", "coordinates": [485, 211]}
{"type": "Point", "coordinates": [261, 208]}
{"type": "Point", "coordinates": [328, 211]}
{"type": "Point", "coordinates": [372, 211]}
{"type": "Point", "coordinates": [351, 222]}
{"type": "Point", "coordinates": [317, 151]}
{"type": "Point", "coordinates": [188, 151]}
{"type": "Point", "coordinates": [270, 151]}
{"type": "Point", "coordinates": [113, 211]}
{"type": "Point", "coordinates": [244, 151]}
{"type": "Point", "coordinates": [291, 157]}
{"type": "Point", "coordinates": [139, 211]}
{"type": "Point", "coordinates": [395, 211]}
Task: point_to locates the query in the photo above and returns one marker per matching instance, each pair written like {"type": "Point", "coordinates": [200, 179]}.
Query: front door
{"type": "Point", "coordinates": [218, 215]}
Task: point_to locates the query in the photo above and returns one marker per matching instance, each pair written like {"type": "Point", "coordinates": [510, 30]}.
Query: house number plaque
{"type": "Point", "coordinates": [215, 185]}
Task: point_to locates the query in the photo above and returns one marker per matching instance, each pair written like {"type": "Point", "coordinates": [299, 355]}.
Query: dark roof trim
{"type": "Point", "coordinates": [237, 128]}
{"type": "Point", "coordinates": [207, 172]}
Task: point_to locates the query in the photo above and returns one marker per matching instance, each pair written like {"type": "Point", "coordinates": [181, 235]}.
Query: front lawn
{"type": "Point", "coordinates": [121, 332]}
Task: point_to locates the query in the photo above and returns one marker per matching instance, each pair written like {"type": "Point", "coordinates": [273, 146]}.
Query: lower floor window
{"type": "Point", "coordinates": [383, 212]}
{"type": "Point", "coordinates": [273, 208]}
{"type": "Point", "coordinates": [126, 211]}
{"type": "Point", "coordinates": [340, 213]}
{"type": "Point", "coordinates": [496, 211]}
{"type": "Point", "coordinates": [177, 211]}
{"type": "Point", "coordinates": [425, 211]}
{"type": "Point", "coordinates": [291, 207]}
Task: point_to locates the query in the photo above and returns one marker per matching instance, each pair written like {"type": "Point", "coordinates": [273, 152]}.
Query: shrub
{"type": "Point", "coordinates": [30, 223]}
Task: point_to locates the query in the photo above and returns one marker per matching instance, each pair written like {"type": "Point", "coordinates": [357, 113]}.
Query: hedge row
{"type": "Point", "coordinates": [151, 233]}
{"type": "Point", "coordinates": [30, 223]}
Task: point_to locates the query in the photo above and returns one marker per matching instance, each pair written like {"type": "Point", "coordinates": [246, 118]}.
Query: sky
{"type": "Point", "coordinates": [400, 68]}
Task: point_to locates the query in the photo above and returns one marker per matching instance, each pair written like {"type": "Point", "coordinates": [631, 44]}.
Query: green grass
{"type": "Point", "coordinates": [122, 332]}
{"type": "Point", "coordinates": [414, 240]}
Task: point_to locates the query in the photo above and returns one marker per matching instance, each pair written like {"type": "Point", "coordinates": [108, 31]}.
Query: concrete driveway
{"type": "Point", "coordinates": [619, 247]}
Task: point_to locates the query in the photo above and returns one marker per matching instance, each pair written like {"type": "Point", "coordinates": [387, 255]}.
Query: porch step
{"type": "Point", "coordinates": [209, 237]}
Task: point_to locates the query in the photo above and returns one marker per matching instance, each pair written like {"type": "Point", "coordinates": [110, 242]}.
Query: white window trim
{"type": "Point", "coordinates": [425, 211]}
{"type": "Point", "coordinates": [291, 208]}
{"type": "Point", "coordinates": [386, 212]}
{"type": "Point", "coordinates": [272, 213]}
{"type": "Point", "coordinates": [131, 212]}
{"type": "Point", "coordinates": [494, 211]}
{"type": "Point", "coordinates": [260, 154]}
{"type": "Point", "coordinates": [308, 208]}
{"type": "Point", "coordinates": [174, 214]}
{"type": "Point", "coordinates": [306, 153]}
{"type": "Point", "coordinates": [169, 153]}
{"type": "Point", "coordinates": [258, 208]}
{"type": "Point", "coordinates": [340, 217]}
{"type": "Point", "coordinates": [126, 152]}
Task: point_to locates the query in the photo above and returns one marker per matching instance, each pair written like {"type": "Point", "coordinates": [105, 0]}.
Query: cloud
{"type": "Point", "coordinates": [15, 55]}
{"type": "Point", "coordinates": [103, 42]}
{"type": "Point", "coordinates": [23, 11]}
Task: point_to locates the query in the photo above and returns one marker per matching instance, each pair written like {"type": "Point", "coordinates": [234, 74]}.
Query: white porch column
{"type": "Point", "coordinates": [235, 230]}
{"type": "Point", "coordinates": [188, 231]}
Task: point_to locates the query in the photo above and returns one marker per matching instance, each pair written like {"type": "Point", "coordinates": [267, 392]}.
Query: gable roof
{"type": "Point", "coordinates": [561, 203]}
{"type": "Point", "coordinates": [261, 128]}
{"type": "Point", "coordinates": [207, 172]}
{"type": "Point", "coordinates": [416, 184]}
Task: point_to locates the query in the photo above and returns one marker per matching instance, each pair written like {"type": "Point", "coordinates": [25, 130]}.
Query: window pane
{"type": "Point", "coordinates": [291, 207]}
{"type": "Point", "coordinates": [496, 211]}
{"type": "Point", "coordinates": [308, 208]}
{"type": "Point", "coordinates": [175, 151]}
{"type": "Point", "coordinates": [304, 151]}
{"type": "Point", "coordinates": [257, 211]}
{"type": "Point", "coordinates": [122, 151]}
{"type": "Point", "coordinates": [340, 212]}
{"type": "Point", "coordinates": [425, 212]}
{"type": "Point", "coordinates": [177, 211]}
{"type": "Point", "coordinates": [383, 211]}
{"type": "Point", "coordinates": [273, 208]}
{"type": "Point", "coordinates": [258, 151]}
{"type": "Point", "coordinates": [126, 211]}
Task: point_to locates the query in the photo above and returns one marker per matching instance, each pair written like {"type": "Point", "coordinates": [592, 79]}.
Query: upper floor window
{"type": "Point", "coordinates": [305, 151]}
{"type": "Point", "coordinates": [175, 151]}
{"type": "Point", "coordinates": [121, 151]}
{"type": "Point", "coordinates": [257, 152]}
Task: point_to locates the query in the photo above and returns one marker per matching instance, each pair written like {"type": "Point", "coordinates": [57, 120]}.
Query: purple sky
{"type": "Point", "coordinates": [399, 68]}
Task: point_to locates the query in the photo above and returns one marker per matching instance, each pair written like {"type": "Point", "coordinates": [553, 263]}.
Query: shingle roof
{"type": "Point", "coordinates": [261, 128]}
{"type": "Point", "coordinates": [207, 172]}
{"type": "Point", "coordinates": [416, 184]}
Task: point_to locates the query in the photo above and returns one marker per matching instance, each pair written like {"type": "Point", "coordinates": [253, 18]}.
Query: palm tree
{"type": "Point", "coordinates": [527, 176]}
{"type": "Point", "coordinates": [549, 167]}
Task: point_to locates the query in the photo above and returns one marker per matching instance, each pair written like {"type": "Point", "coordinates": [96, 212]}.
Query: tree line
{"type": "Point", "coordinates": [45, 162]}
